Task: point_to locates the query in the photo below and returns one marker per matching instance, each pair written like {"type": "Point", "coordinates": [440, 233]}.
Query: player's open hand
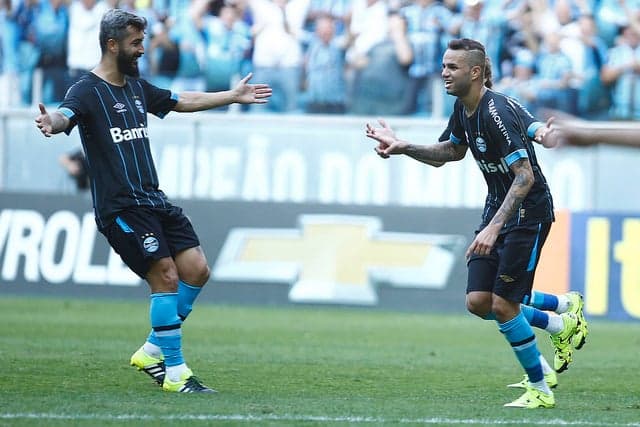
{"type": "Point", "coordinates": [43, 121]}
{"type": "Point", "coordinates": [388, 143]}
{"type": "Point", "coordinates": [548, 135]}
{"type": "Point", "coordinates": [246, 93]}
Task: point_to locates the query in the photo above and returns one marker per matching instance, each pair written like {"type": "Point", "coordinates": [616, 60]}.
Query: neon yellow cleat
{"type": "Point", "coordinates": [551, 379]}
{"type": "Point", "coordinates": [576, 307]}
{"type": "Point", "coordinates": [562, 342]}
{"type": "Point", "coordinates": [533, 398]}
{"type": "Point", "coordinates": [188, 384]}
{"type": "Point", "coordinates": [150, 365]}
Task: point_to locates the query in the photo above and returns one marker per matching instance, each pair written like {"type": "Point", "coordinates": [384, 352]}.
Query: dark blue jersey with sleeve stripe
{"type": "Point", "coordinates": [528, 120]}
{"type": "Point", "coordinates": [498, 134]}
{"type": "Point", "coordinates": [112, 122]}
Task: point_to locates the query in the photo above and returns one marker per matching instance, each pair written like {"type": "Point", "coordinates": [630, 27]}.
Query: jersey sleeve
{"type": "Point", "coordinates": [159, 101]}
{"type": "Point", "coordinates": [503, 127]}
{"type": "Point", "coordinates": [72, 107]}
{"type": "Point", "coordinates": [455, 126]}
{"type": "Point", "coordinates": [530, 122]}
{"type": "Point", "coordinates": [446, 134]}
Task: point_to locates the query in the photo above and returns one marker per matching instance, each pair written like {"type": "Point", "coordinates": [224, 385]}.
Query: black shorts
{"type": "Point", "coordinates": [509, 269]}
{"type": "Point", "coordinates": [141, 235]}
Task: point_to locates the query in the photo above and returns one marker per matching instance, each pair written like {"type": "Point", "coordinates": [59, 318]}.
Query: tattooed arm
{"type": "Point", "coordinates": [436, 153]}
{"type": "Point", "coordinates": [522, 183]}
{"type": "Point", "coordinates": [432, 154]}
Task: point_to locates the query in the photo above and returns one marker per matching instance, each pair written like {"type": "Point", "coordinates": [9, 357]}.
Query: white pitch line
{"type": "Point", "coordinates": [294, 418]}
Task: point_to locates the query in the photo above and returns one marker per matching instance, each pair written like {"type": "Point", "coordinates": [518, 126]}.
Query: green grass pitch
{"type": "Point", "coordinates": [65, 363]}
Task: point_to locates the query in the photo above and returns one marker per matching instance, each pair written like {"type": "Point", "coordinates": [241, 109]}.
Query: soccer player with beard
{"type": "Point", "coordinates": [518, 212]}
{"type": "Point", "coordinates": [154, 238]}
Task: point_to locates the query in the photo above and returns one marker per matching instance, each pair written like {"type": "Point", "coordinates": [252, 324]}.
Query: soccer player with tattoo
{"type": "Point", "coordinates": [518, 211]}
{"type": "Point", "coordinates": [154, 237]}
{"type": "Point", "coordinates": [541, 308]}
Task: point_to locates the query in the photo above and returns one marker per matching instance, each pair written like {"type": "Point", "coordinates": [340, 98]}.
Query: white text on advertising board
{"type": "Point", "coordinates": [56, 249]}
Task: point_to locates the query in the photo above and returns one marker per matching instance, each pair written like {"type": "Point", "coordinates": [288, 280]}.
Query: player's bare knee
{"type": "Point", "coordinates": [196, 273]}
{"type": "Point", "coordinates": [163, 276]}
{"type": "Point", "coordinates": [478, 309]}
{"type": "Point", "coordinates": [193, 267]}
{"type": "Point", "coordinates": [504, 310]}
{"type": "Point", "coordinates": [477, 305]}
{"type": "Point", "coordinates": [202, 275]}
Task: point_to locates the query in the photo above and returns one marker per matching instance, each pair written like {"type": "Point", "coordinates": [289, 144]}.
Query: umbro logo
{"type": "Point", "coordinates": [120, 108]}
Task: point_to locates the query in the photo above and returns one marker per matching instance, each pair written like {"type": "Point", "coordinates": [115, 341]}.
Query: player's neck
{"type": "Point", "coordinates": [109, 74]}
{"type": "Point", "coordinates": [472, 100]}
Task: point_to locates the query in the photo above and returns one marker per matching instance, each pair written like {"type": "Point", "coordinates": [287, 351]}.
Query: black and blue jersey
{"type": "Point", "coordinates": [528, 120]}
{"type": "Point", "coordinates": [112, 122]}
{"type": "Point", "coordinates": [497, 135]}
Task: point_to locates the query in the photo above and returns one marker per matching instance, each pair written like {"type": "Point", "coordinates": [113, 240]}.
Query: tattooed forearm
{"type": "Point", "coordinates": [440, 152]}
{"type": "Point", "coordinates": [519, 189]}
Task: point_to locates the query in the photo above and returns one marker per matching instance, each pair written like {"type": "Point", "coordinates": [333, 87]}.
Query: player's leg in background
{"type": "Point", "coordinates": [189, 258]}
{"type": "Point", "coordinates": [548, 302]}
{"type": "Point", "coordinates": [568, 330]}
{"type": "Point", "coordinates": [570, 302]}
{"type": "Point", "coordinates": [561, 327]}
{"type": "Point", "coordinates": [193, 273]}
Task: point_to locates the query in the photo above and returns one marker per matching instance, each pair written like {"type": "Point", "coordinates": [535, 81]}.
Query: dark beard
{"type": "Point", "coordinates": [126, 66]}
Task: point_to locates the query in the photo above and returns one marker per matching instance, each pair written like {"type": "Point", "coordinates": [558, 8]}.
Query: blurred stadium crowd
{"type": "Point", "coordinates": [379, 57]}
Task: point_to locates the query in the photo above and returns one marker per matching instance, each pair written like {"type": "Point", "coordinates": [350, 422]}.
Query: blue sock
{"type": "Point", "coordinates": [543, 301]}
{"type": "Point", "coordinates": [187, 294]}
{"type": "Point", "coordinates": [166, 327]}
{"type": "Point", "coordinates": [535, 317]}
{"type": "Point", "coordinates": [523, 342]}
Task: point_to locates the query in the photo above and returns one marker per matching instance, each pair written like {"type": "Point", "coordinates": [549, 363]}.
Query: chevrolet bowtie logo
{"type": "Point", "coordinates": [337, 259]}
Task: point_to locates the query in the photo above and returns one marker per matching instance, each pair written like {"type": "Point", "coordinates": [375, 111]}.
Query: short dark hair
{"type": "Point", "coordinates": [114, 25]}
{"type": "Point", "coordinates": [476, 53]}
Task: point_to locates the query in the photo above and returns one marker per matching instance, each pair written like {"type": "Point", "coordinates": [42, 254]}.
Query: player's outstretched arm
{"type": "Point", "coordinates": [585, 133]}
{"type": "Point", "coordinates": [432, 154]}
{"type": "Point", "coordinates": [50, 123]}
{"type": "Point", "coordinates": [243, 93]}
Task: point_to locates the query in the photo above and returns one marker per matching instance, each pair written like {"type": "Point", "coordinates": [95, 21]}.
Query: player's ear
{"type": "Point", "coordinates": [476, 73]}
{"type": "Point", "coordinates": [112, 45]}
